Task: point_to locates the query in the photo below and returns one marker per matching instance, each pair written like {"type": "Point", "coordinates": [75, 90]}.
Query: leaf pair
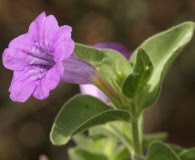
{"type": "Point", "coordinates": [151, 62]}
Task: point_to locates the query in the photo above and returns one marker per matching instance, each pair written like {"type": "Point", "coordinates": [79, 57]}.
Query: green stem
{"type": "Point", "coordinates": [136, 138]}
{"type": "Point", "coordinates": [103, 85]}
{"type": "Point", "coordinates": [136, 132]}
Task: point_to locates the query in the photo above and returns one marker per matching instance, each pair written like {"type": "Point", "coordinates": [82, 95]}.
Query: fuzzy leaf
{"type": "Point", "coordinates": [188, 154]}
{"type": "Point", "coordinates": [160, 151]}
{"type": "Point", "coordinates": [142, 71]}
{"type": "Point", "coordinates": [150, 138]}
{"type": "Point", "coordinates": [137, 157]}
{"type": "Point", "coordinates": [79, 114]}
{"type": "Point", "coordinates": [111, 65]}
{"type": "Point", "coordinates": [162, 49]}
{"type": "Point", "coordinates": [122, 153]}
{"type": "Point", "coordinates": [81, 154]}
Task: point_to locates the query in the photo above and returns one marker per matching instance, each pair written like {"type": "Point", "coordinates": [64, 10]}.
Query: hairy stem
{"type": "Point", "coordinates": [103, 85]}
{"type": "Point", "coordinates": [136, 133]}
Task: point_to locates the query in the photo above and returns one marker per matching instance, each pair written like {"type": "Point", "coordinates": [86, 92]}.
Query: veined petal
{"type": "Point", "coordinates": [50, 80]}
{"type": "Point", "coordinates": [74, 70]}
{"type": "Point", "coordinates": [24, 83]}
{"type": "Point", "coordinates": [64, 50]}
{"type": "Point", "coordinates": [37, 26]}
{"type": "Point", "coordinates": [33, 80]}
{"type": "Point", "coordinates": [17, 60]}
{"type": "Point", "coordinates": [63, 33]}
{"type": "Point", "coordinates": [50, 29]}
{"type": "Point", "coordinates": [23, 42]}
{"type": "Point", "coordinates": [12, 61]}
{"type": "Point", "coordinates": [63, 45]}
{"type": "Point", "coordinates": [51, 38]}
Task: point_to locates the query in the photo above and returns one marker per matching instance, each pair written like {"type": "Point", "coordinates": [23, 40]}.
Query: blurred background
{"type": "Point", "coordinates": [24, 127]}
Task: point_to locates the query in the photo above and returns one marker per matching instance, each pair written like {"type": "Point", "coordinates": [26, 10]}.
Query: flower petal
{"type": "Point", "coordinates": [51, 38]}
{"type": "Point", "coordinates": [17, 60]}
{"type": "Point", "coordinates": [23, 42]}
{"type": "Point", "coordinates": [63, 45]}
{"type": "Point", "coordinates": [74, 70]}
{"type": "Point", "coordinates": [13, 59]}
{"type": "Point", "coordinates": [37, 26]}
{"type": "Point", "coordinates": [64, 50]}
{"type": "Point", "coordinates": [50, 29]}
{"type": "Point", "coordinates": [63, 33]}
{"type": "Point", "coordinates": [24, 83]}
{"type": "Point", "coordinates": [47, 83]}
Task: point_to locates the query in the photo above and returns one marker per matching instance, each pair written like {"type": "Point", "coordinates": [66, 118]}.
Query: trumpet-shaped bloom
{"type": "Point", "coordinates": [93, 90]}
{"type": "Point", "coordinates": [41, 58]}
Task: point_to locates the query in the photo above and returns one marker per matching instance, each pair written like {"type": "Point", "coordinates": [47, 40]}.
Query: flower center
{"type": "Point", "coordinates": [43, 57]}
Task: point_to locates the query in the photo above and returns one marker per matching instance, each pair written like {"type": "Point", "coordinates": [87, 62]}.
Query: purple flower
{"type": "Point", "coordinates": [41, 58]}
{"type": "Point", "coordinates": [93, 90]}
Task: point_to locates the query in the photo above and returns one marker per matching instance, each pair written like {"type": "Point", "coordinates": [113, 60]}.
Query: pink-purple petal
{"type": "Point", "coordinates": [50, 29]}
{"type": "Point", "coordinates": [63, 33]}
{"type": "Point", "coordinates": [23, 42]}
{"type": "Point", "coordinates": [52, 78]}
{"type": "Point", "coordinates": [37, 26]}
{"type": "Point", "coordinates": [41, 91]}
{"type": "Point", "coordinates": [18, 93]}
{"type": "Point", "coordinates": [64, 50]}
{"type": "Point", "coordinates": [12, 61]}
{"type": "Point", "coordinates": [15, 59]}
{"type": "Point", "coordinates": [63, 40]}
{"type": "Point", "coordinates": [49, 81]}
{"type": "Point", "coordinates": [24, 83]}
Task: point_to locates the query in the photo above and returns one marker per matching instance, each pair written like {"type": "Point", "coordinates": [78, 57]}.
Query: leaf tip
{"type": "Point", "coordinates": [58, 139]}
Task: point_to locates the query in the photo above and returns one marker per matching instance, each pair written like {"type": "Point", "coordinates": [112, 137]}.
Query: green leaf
{"type": "Point", "coordinates": [188, 154]}
{"type": "Point", "coordinates": [160, 151]}
{"type": "Point", "coordinates": [111, 65]}
{"type": "Point", "coordinates": [162, 49]}
{"type": "Point", "coordinates": [142, 71]}
{"type": "Point", "coordinates": [177, 149]}
{"type": "Point", "coordinates": [150, 138]}
{"type": "Point", "coordinates": [96, 145]}
{"type": "Point", "coordinates": [117, 130]}
{"type": "Point", "coordinates": [101, 148]}
{"type": "Point", "coordinates": [122, 153]}
{"type": "Point", "coordinates": [81, 154]}
{"type": "Point", "coordinates": [79, 114]}
{"type": "Point", "coordinates": [101, 131]}
{"type": "Point", "coordinates": [137, 157]}
{"type": "Point", "coordinates": [123, 132]}
{"type": "Point", "coordinates": [90, 54]}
